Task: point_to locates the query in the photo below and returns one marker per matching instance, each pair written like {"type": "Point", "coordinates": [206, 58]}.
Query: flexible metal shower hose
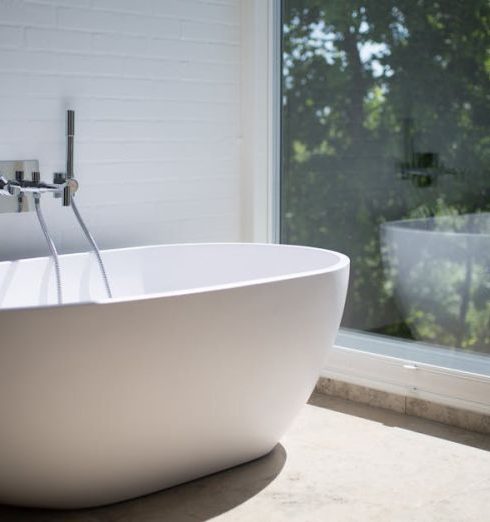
{"type": "Point", "coordinates": [52, 247]}
{"type": "Point", "coordinates": [95, 248]}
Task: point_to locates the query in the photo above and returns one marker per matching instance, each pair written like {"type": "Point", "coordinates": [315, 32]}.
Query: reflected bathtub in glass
{"type": "Point", "coordinates": [439, 269]}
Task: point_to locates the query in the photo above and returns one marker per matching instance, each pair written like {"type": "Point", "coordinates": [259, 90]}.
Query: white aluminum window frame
{"type": "Point", "coordinates": [379, 362]}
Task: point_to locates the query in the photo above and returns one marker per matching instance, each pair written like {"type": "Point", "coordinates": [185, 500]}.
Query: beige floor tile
{"type": "Point", "coordinates": [340, 461]}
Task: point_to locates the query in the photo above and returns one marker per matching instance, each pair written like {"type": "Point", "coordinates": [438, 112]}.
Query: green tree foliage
{"type": "Point", "coordinates": [386, 116]}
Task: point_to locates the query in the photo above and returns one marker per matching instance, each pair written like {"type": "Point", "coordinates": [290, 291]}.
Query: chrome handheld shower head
{"type": "Point", "coordinates": [70, 135]}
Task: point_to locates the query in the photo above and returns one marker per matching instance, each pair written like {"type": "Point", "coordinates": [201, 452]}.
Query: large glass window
{"type": "Point", "coordinates": [386, 157]}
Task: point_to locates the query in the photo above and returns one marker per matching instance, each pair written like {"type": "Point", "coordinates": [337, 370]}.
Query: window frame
{"type": "Point", "coordinates": [378, 362]}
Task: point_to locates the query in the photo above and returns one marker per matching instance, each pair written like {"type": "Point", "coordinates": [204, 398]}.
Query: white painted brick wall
{"type": "Point", "coordinates": [155, 86]}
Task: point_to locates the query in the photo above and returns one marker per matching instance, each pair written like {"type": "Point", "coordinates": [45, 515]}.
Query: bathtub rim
{"type": "Point", "coordinates": [397, 225]}
{"type": "Point", "coordinates": [342, 262]}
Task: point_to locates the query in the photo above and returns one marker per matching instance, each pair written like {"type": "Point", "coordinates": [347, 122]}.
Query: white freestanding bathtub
{"type": "Point", "coordinates": [199, 363]}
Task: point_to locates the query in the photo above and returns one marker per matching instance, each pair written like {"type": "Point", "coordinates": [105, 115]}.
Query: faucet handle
{"type": "Point", "coordinates": [71, 186]}
{"type": "Point", "coordinates": [59, 178]}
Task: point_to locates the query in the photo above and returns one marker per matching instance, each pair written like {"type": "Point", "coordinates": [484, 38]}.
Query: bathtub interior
{"type": "Point", "coordinates": [155, 269]}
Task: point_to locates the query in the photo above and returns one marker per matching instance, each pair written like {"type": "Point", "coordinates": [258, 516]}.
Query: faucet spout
{"type": "Point", "coordinates": [18, 188]}
{"type": "Point", "coordinates": [4, 191]}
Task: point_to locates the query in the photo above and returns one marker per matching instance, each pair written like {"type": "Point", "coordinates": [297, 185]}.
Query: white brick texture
{"type": "Point", "coordinates": [156, 89]}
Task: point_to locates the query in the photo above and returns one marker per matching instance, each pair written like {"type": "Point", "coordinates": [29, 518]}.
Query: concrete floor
{"type": "Point", "coordinates": [341, 461]}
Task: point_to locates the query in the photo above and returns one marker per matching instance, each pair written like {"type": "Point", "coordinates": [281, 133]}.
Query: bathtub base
{"type": "Point", "coordinates": [83, 497]}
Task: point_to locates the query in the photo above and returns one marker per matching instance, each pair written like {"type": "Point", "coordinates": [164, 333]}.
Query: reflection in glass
{"type": "Point", "coordinates": [386, 157]}
{"type": "Point", "coordinates": [439, 269]}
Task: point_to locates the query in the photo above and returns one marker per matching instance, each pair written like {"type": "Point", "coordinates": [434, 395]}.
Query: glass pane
{"type": "Point", "coordinates": [386, 157]}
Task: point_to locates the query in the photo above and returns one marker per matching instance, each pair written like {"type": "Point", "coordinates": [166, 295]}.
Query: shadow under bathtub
{"type": "Point", "coordinates": [199, 500]}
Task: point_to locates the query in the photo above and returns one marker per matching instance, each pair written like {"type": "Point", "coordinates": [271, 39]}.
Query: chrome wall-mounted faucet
{"type": "Point", "coordinates": [21, 195]}
{"type": "Point", "coordinates": [13, 182]}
